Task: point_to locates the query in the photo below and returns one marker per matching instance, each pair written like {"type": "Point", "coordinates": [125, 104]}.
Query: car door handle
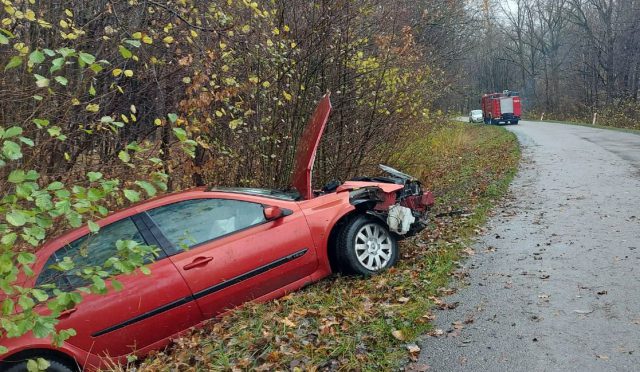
{"type": "Point", "coordinates": [66, 313]}
{"type": "Point", "coordinates": [198, 261]}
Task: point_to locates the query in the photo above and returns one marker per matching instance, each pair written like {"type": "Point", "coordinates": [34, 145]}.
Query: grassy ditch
{"type": "Point", "coordinates": [346, 323]}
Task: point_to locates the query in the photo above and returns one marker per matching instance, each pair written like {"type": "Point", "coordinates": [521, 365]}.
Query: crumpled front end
{"type": "Point", "coordinates": [398, 200]}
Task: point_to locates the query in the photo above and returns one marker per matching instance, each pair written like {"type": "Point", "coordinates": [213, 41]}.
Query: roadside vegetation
{"type": "Point", "coordinates": [369, 324]}
{"type": "Point", "coordinates": [103, 104]}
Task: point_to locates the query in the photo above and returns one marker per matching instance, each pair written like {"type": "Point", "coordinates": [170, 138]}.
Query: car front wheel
{"type": "Point", "coordinates": [366, 247]}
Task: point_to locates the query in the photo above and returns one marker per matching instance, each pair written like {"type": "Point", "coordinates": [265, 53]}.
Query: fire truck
{"type": "Point", "coordinates": [501, 107]}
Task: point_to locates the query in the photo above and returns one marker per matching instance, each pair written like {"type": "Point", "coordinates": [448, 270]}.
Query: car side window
{"type": "Point", "coordinates": [90, 250]}
{"type": "Point", "coordinates": [192, 222]}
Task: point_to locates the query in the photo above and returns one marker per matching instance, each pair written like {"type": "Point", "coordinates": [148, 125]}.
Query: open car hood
{"type": "Point", "coordinates": [307, 148]}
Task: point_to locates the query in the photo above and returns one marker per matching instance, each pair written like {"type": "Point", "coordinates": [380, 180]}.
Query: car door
{"type": "Point", "coordinates": [148, 309]}
{"type": "Point", "coordinates": [229, 253]}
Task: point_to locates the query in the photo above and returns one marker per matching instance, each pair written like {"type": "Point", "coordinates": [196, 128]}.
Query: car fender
{"type": "Point", "coordinates": [322, 214]}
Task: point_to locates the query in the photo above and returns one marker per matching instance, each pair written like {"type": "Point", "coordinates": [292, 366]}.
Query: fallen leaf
{"type": "Point", "coordinates": [398, 335]}
{"type": "Point", "coordinates": [288, 322]}
{"type": "Point", "coordinates": [603, 357]}
{"type": "Point", "coordinates": [417, 367]}
{"type": "Point", "coordinates": [436, 332]}
{"type": "Point", "coordinates": [413, 348]}
{"type": "Point", "coordinates": [468, 251]}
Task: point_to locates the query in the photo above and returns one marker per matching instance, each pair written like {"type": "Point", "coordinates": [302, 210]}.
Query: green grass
{"type": "Point", "coordinates": [626, 130]}
{"type": "Point", "coordinates": [350, 323]}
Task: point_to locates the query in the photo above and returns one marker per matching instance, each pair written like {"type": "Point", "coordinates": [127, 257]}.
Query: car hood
{"type": "Point", "coordinates": [307, 148]}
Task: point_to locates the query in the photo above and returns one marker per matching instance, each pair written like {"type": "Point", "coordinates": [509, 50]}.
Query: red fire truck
{"type": "Point", "coordinates": [501, 107]}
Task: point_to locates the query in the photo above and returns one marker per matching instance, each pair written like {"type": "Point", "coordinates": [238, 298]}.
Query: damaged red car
{"type": "Point", "coordinates": [219, 248]}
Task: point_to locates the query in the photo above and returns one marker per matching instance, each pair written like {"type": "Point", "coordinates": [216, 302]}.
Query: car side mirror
{"type": "Point", "coordinates": [273, 213]}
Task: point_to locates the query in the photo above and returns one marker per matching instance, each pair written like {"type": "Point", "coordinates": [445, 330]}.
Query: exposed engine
{"type": "Point", "coordinates": [404, 210]}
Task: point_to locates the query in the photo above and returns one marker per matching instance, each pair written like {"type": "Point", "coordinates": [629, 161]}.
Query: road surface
{"type": "Point", "coordinates": [554, 284]}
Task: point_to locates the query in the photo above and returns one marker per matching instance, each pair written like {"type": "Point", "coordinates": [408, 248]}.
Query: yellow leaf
{"type": "Point", "coordinates": [124, 118]}
{"type": "Point", "coordinates": [64, 24]}
{"type": "Point", "coordinates": [75, 101]}
{"type": "Point", "coordinates": [168, 40]}
{"type": "Point", "coordinates": [286, 28]}
{"type": "Point", "coordinates": [269, 42]}
{"type": "Point", "coordinates": [276, 31]}
{"type": "Point", "coordinates": [68, 12]}
{"type": "Point", "coordinates": [246, 29]}
{"type": "Point", "coordinates": [44, 23]}
{"type": "Point", "coordinates": [253, 79]}
{"type": "Point", "coordinates": [233, 124]}
{"type": "Point", "coordinates": [128, 73]}
{"type": "Point", "coordinates": [67, 157]}
{"type": "Point", "coordinates": [194, 34]}
{"type": "Point", "coordinates": [398, 335]}
{"type": "Point", "coordinates": [223, 46]}
{"type": "Point", "coordinates": [93, 107]}
{"type": "Point", "coordinates": [157, 122]}
{"type": "Point", "coordinates": [147, 39]}
{"type": "Point", "coordinates": [116, 72]}
{"type": "Point", "coordinates": [137, 35]}
{"type": "Point", "coordinates": [286, 95]}
{"type": "Point", "coordinates": [293, 45]}
{"type": "Point", "coordinates": [266, 84]}
{"type": "Point", "coordinates": [30, 15]}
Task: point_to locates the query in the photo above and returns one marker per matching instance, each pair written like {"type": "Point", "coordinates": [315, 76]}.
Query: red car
{"type": "Point", "coordinates": [243, 244]}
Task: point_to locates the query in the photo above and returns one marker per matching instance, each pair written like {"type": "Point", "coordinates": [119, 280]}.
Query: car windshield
{"type": "Point", "coordinates": [270, 193]}
{"type": "Point", "coordinates": [476, 112]}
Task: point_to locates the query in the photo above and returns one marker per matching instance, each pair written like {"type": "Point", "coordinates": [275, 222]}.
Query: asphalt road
{"type": "Point", "coordinates": [554, 284]}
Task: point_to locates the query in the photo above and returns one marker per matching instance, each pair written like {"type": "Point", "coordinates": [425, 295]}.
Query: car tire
{"type": "Point", "coordinates": [54, 366]}
{"type": "Point", "coordinates": [366, 247]}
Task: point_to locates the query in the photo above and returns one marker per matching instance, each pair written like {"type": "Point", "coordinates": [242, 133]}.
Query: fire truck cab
{"type": "Point", "coordinates": [500, 108]}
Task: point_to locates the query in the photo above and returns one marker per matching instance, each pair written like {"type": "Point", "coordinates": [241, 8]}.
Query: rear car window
{"type": "Point", "coordinates": [90, 250]}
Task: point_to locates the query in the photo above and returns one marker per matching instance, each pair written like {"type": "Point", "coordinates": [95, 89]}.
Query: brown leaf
{"type": "Point", "coordinates": [436, 332]}
{"type": "Point", "coordinates": [413, 348]}
{"type": "Point", "coordinates": [417, 367]}
{"type": "Point", "coordinates": [274, 356]}
{"type": "Point", "coordinates": [288, 322]}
